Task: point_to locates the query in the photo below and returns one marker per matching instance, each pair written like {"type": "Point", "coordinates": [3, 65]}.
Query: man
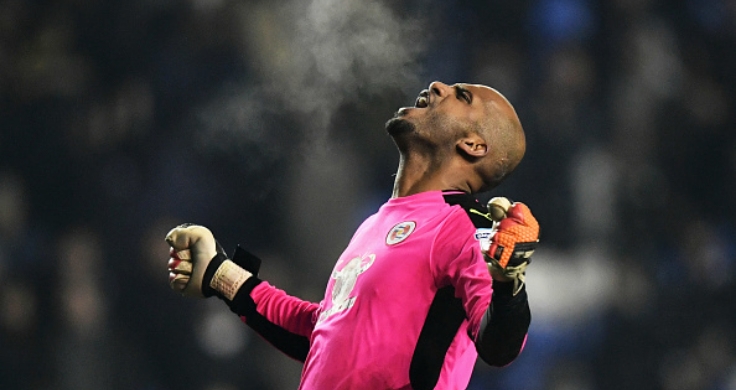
{"type": "Point", "coordinates": [408, 304]}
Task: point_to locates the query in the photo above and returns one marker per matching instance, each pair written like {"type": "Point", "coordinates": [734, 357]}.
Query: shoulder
{"type": "Point", "coordinates": [473, 210]}
{"type": "Point", "coordinates": [458, 245]}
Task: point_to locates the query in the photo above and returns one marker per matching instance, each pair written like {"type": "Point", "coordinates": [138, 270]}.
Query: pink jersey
{"type": "Point", "coordinates": [403, 304]}
{"type": "Point", "coordinates": [375, 325]}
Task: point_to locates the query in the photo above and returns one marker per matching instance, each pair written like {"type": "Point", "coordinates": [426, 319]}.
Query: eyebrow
{"type": "Point", "coordinates": [460, 89]}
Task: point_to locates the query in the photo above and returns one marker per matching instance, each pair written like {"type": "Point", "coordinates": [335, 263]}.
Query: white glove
{"type": "Point", "coordinates": [193, 250]}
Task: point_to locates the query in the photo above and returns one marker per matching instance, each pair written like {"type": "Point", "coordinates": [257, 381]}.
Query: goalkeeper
{"type": "Point", "coordinates": [425, 286]}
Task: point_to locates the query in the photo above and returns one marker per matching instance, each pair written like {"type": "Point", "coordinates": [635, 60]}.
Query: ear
{"type": "Point", "coordinates": [473, 146]}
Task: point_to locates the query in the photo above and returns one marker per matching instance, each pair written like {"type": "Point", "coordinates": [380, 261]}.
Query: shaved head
{"type": "Point", "coordinates": [460, 136]}
{"type": "Point", "coordinates": [502, 131]}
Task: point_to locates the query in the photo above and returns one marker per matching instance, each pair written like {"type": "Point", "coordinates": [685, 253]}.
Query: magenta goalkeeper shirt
{"type": "Point", "coordinates": [403, 305]}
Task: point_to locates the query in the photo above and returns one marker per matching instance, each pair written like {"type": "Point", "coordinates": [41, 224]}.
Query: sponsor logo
{"type": "Point", "coordinates": [484, 236]}
{"type": "Point", "coordinates": [400, 232]}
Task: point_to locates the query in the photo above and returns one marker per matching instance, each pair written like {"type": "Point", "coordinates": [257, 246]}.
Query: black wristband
{"type": "Point", "coordinates": [242, 303]}
{"type": "Point", "coordinates": [503, 293]}
{"type": "Point", "coordinates": [247, 260]}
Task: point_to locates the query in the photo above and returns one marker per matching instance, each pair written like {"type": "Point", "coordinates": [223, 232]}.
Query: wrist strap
{"type": "Point", "coordinates": [516, 273]}
{"type": "Point", "coordinates": [209, 273]}
{"type": "Point", "coordinates": [228, 279]}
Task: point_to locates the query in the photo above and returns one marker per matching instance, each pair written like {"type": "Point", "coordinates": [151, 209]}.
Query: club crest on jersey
{"type": "Point", "coordinates": [400, 232]}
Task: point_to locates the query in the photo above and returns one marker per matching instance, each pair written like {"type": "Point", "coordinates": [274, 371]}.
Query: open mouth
{"type": "Point", "coordinates": [423, 99]}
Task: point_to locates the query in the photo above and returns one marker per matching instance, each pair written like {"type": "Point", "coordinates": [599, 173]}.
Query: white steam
{"type": "Point", "coordinates": [310, 58]}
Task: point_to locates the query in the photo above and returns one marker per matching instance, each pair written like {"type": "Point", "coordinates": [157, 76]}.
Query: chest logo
{"type": "Point", "coordinates": [345, 281]}
{"type": "Point", "coordinates": [400, 232]}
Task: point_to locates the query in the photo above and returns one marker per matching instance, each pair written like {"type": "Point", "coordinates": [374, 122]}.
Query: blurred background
{"type": "Point", "coordinates": [263, 120]}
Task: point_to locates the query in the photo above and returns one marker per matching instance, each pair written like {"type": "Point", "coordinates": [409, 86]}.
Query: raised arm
{"type": "Point", "coordinates": [504, 326]}
{"type": "Point", "coordinates": [498, 246]}
{"type": "Point", "coordinates": [199, 267]}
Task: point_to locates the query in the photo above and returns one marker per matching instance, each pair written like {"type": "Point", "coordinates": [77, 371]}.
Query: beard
{"type": "Point", "coordinates": [397, 126]}
{"type": "Point", "coordinates": [401, 131]}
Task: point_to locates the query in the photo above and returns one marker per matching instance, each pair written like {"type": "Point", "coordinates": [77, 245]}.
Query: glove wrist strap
{"type": "Point", "coordinates": [228, 279]}
{"type": "Point", "coordinates": [516, 273]}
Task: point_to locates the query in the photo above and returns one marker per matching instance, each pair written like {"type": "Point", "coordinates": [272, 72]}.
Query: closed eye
{"type": "Point", "coordinates": [463, 94]}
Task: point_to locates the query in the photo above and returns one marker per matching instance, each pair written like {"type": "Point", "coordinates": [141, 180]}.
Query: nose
{"type": "Point", "coordinates": [438, 88]}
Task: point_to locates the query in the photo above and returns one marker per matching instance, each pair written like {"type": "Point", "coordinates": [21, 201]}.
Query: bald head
{"type": "Point", "coordinates": [505, 137]}
{"type": "Point", "coordinates": [461, 136]}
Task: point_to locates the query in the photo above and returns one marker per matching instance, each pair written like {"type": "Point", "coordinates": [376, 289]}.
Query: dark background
{"type": "Point", "coordinates": [263, 120]}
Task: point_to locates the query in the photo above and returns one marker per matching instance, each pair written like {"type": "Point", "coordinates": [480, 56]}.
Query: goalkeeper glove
{"type": "Point", "coordinates": [512, 245]}
{"type": "Point", "coordinates": [199, 266]}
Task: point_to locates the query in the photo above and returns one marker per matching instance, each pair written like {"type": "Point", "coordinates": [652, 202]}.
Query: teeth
{"type": "Point", "coordinates": [422, 102]}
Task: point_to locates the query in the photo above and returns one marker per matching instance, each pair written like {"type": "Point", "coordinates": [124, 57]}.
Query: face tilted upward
{"type": "Point", "coordinates": [441, 114]}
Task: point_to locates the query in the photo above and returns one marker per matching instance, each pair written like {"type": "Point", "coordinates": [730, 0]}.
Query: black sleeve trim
{"type": "Point", "coordinates": [504, 325]}
{"type": "Point", "coordinates": [242, 303]}
{"type": "Point", "coordinates": [477, 212]}
{"type": "Point", "coordinates": [291, 344]}
{"type": "Point", "coordinates": [444, 318]}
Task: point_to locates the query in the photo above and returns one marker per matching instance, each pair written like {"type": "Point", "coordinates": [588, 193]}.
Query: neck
{"type": "Point", "coordinates": [418, 173]}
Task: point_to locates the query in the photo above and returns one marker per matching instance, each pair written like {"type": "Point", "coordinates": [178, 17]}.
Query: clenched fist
{"type": "Point", "coordinates": [512, 245]}
{"type": "Point", "coordinates": [192, 249]}
{"type": "Point", "coordinates": [199, 266]}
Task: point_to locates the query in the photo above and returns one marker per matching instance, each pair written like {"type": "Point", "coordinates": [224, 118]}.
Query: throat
{"type": "Point", "coordinates": [418, 173]}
